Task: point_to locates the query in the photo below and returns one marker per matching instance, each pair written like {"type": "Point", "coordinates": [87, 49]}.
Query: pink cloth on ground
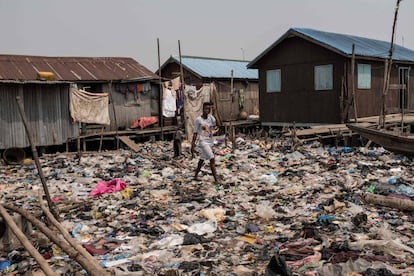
{"type": "Point", "coordinates": [106, 187]}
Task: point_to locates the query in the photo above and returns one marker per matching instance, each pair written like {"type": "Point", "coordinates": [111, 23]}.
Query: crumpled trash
{"type": "Point", "coordinates": [213, 214]}
{"type": "Point", "coordinates": [166, 223]}
{"type": "Point", "coordinates": [324, 219]}
{"type": "Point", "coordinates": [202, 228]}
{"type": "Point", "coordinates": [277, 267]}
{"type": "Point", "coordinates": [169, 242]}
{"type": "Point", "coordinates": [265, 210]}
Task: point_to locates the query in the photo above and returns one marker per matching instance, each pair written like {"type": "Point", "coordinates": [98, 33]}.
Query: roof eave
{"type": "Point", "coordinates": [289, 33]}
{"type": "Point", "coordinates": [138, 79]}
{"type": "Point", "coordinates": [35, 82]}
{"type": "Point", "coordinates": [252, 64]}
{"type": "Point", "coordinates": [171, 59]}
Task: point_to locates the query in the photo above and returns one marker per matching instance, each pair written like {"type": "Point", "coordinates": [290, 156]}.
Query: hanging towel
{"type": "Point", "coordinates": [168, 103]}
{"type": "Point", "coordinates": [89, 107]}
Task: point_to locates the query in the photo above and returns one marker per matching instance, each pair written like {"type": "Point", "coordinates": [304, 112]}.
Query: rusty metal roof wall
{"type": "Point", "coordinates": [25, 68]}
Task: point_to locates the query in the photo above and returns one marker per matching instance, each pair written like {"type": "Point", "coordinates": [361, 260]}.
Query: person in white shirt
{"type": "Point", "coordinates": [204, 127]}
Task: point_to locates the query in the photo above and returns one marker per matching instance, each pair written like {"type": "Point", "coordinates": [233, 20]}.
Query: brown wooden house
{"type": "Point", "coordinates": [224, 73]}
{"type": "Point", "coordinates": [306, 77]}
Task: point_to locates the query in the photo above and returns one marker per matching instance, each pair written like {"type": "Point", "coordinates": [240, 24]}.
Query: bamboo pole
{"type": "Point", "coordinates": [342, 101]}
{"type": "Point", "coordinates": [69, 239]}
{"type": "Point", "coordinates": [381, 122]}
{"type": "Point", "coordinates": [354, 102]}
{"type": "Point", "coordinates": [233, 138]}
{"type": "Point", "coordinates": [161, 91]}
{"type": "Point", "coordinates": [182, 90]}
{"type": "Point", "coordinates": [231, 89]}
{"type": "Point", "coordinates": [397, 203]}
{"type": "Point", "coordinates": [26, 243]}
{"type": "Point", "coordinates": [78, 141]}
{"type": "Point", "coordinates": [402, 109]}
{"type": "Point", "coordinates": [63, 244]}
{"type": "Point", "coordinates": [113, 109]}
{"type": "Point", "coordinates": [387, 70]}
{"type": "Point", "coordinates": [232, 130]}
{"type": "Point", "coordinates": [101, 138]}
{"type": "Point", "coordinates": [36, 158]}
{"type": "Point", "coordinates": [345, 93]}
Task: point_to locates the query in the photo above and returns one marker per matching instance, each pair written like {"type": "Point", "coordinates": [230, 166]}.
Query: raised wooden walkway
{"type": "Point", "coordinates": [341, 130]}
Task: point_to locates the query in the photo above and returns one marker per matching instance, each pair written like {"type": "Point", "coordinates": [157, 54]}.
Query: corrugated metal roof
{"type": "Point", "coordinates": [342, 44]}
{"type": "Point", "coordinates": [25, 68]}
{"type": "Point", "coordinates": [217, 68]}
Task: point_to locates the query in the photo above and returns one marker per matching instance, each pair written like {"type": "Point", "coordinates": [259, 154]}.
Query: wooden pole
{"type": "Point", "coordinates": [182, 91]}
{"type": "Point", "coordinates": [354, 102]}
{"type": "Point", "coordinates": [345, 94]}
{"type": "Point", "coordinates": [342, 101]}
{"type": "Point", "coordinates": [100, 140]}
{"type": "Point", "coordinates": [84, 144]}
{"type": "Point", "coordinates": [232, 131]}
{"type": "Point", "coordinates": [58, 240]}
{"type": "Point", "coordinates": [113, 109]}
{"type": "Point", "coordinates": [402, 109]}
{"type": "Point", "coordinates": [26, 243]}
{"type": "Point", "coordinates": [161, 91]}
{"type": "Point", "coordinates": [389, 67]}
{"type": "Point", "coordinates": [231, 91]}
{"type": "Point", "coordinates": [381, 122]}
{"type": "Point", "coordinates": [78, 140]}
{"type": "Point", "coordinates": [181, 65]}
{"type": "Point", "coordinates": [226, 135]}
{"type": "Point", "coordinates": [69, 239]}
{"type": "Point", "coordinates": [233, 138]}
{"type": "Point", "coordinates": [36, 157]}
{"type": "Point", "coordinates": [396, 203]}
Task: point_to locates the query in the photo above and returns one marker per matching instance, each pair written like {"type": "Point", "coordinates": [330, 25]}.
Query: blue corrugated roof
{"type": "Point", "coordinates": [217, 68]}
{"type": "Point", "coordinates": [363, 46]}
{"type": "Point", "coordinates": [342, 43]}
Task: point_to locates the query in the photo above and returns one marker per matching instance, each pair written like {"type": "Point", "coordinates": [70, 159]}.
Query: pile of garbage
{"type": "Point", "coordinates": [280, 210]}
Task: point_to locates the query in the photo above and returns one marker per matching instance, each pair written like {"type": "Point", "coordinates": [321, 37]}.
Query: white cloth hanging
{"type": "Point", "coordinates": [168, 103]}
{"type": "Point", "coordinates": [89, 107]}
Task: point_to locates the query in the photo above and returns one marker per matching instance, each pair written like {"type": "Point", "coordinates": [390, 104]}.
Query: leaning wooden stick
{"type": "Point", "coordinates": [36, 157]}
{"type": "Point", "coordinates": [397, 203]}
{"type": "Point", "coordinates": [72, 253]}
{"type": "Point", "coordinates": [69, 239]}
{"type": "Point", "coordinates": [26, 243]}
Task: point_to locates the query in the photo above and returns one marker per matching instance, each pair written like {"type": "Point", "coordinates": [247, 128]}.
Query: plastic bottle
{"type": "Point", "coordinates": [392, 180]}
{"type": "Point", "coordinates": [324, 219]}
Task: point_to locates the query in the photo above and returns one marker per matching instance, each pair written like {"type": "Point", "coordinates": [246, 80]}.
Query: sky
{"type": "Point", "coordinates": [228, 29]}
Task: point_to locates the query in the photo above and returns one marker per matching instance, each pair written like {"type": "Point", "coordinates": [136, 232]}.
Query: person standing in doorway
{"type": "Point", "coordinates": [204, 127]}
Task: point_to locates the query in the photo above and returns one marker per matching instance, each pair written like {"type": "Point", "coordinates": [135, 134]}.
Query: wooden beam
{"type": "Point", "coordinates": [26, 243]}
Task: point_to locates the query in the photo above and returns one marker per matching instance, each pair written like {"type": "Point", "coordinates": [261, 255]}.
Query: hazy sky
{"type": "Point", "coordinates": [233, 29]}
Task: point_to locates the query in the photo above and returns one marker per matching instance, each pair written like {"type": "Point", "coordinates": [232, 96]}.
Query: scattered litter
{"type": "Point", "coordinates": [313, 210]}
